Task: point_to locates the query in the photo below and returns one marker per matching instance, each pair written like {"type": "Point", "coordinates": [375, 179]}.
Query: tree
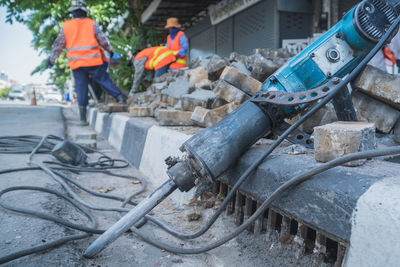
{"type": "Point", "coordinates": [44, 19]}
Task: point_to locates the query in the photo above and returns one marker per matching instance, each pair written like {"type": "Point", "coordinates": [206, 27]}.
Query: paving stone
{"type": "Point", "coordinates": [138, 111]}
{"type": "Point", "coordinates": [241, 67]}
{"type": "Point", "coordinates": [215, 67]}
{"type": "Point", "coordinates": [197, 75]}
{"type": "Point", "coordinates": [168, 117]}
{"type": "Point", "coordinates": [340, 138]}
{"type": "Point", "coordinates": [156, 88]}
{"type": "Point", "coordinates": [142, 97]}
{"type": "Point", "coordinates": [229, 92]}
{"type": "Point", "coordinates": [372, 110]}
{"type": "Point", "coordinates": [113, 107]}
{"type": "Point", "coordinates": [207, 117]}
{"type": "Point", "coordinates": [240, 80]}
{"type": "Point", "coordinates": [204, 84]}
{"type": "Point", "coordinates": [175, 90]}
{"type": "Point", "coordinates": [379, 85]}
{"type": "Point", "coordinates": [200, 97]}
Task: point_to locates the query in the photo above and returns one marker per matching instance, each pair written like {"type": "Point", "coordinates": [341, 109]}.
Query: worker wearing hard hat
{"type": "Point", "coordinates": [157, 58]}
{"type": "Point", "coordinates": [83, 39]}
{"type": "Point", "coordinates": [177, 42]}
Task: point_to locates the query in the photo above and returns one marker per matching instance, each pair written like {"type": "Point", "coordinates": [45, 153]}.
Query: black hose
{"type": "Point", "coordinates": [276, 194]}
{"type": "Point", "coordinates": [282, 137]}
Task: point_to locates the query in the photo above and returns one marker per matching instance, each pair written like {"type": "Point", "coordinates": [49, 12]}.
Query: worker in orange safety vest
{"type": "Point", "coordinates": [178, 42]}
{"type": "Point", "coordinates": [83, 39]}
{"type": "Point", "coordinates": [153, 58]}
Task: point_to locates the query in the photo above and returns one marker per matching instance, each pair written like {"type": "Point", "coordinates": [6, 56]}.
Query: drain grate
{"type": "Point", "coordinates": [289, 229]}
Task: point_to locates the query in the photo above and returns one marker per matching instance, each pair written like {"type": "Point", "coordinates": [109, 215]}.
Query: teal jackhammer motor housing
{"type": "Point", "coordinates": [307, 77]}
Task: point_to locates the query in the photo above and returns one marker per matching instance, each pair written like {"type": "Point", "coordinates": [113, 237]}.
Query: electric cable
{"type": "Point", "coordinates": [276, 194]}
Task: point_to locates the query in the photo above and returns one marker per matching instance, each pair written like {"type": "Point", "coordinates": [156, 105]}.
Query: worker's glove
{"type": "Point", "coordinates": [49, 64]}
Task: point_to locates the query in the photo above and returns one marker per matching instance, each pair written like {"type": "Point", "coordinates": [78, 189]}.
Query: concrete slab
{"type": "Point", "coordinates": [117, 130]}
{"type": "Point", "coordinates": [133, 141]}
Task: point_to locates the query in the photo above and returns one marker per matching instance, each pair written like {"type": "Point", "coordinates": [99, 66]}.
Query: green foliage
{"type": "Point", "coordinates": [4, 92]}
{"type": "Point", "coordinates": [44, 19]}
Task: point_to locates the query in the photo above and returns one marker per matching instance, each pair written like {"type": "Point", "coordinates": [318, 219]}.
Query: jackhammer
{"type": "Point", "coordinates": [322, 70]}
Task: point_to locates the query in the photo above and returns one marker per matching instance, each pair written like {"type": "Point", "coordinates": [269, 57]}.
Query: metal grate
{"type": "Point", "coordinates": [308, 239]}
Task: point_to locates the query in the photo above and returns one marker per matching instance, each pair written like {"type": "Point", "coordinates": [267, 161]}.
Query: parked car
{"type": "Point", "coordinates": [53, 95]}
{"type": "Point", "coordinates": [17, 93]}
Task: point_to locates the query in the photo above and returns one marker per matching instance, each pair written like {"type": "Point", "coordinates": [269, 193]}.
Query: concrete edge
{"type": "Point", "coordinates": [143, 145]}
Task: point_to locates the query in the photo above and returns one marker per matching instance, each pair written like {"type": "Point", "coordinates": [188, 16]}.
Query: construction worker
{"type": "Point", "coordinates": [83, 39]}
{"type": "Point", "coordinates": [178, 42]}
{"type": "Point", "coordinates": [156, 58]}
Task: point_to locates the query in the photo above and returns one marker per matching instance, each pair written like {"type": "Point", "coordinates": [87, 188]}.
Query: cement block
{"type": "Point", "coordinates": [215, 67]}
{"type": "Point", "coordinates": [113, 107]}
{"type": "Point", "coordinates": [138, 111]}
{"type": "Point", "coordinates": [337, 139]}
{"type": "Point", "coordinates": [175, 90]}
{"type": "Point", "coordinates": [379, 85]}
{"type": "Point", "coordinates": [167, 117]}
{"type": "Point", "coordinates": [229, 92]}
{"type": "Point", "coordinates": [204, 84]}
{"type": "Point", "coordinates": [85, 136]}
{"type": "Point", "coordinates": [240, 80]}
{"type": "Point", "coordinates": [241, 67]}
{"type": "Point", "coordinates": [117, 128]}
{"type": "Point", "coordinates": [200, 97]}
{"type": "Point", "coordinates": [197, 75]}
{"type": "Point", "coordinates": [372, 110]}
{"type": "Point", "coordinates": [208, 117]}
{"type": "Point", "coordinates": [156, 88]}
{"type": "Point", "coordinates": [133, 141]}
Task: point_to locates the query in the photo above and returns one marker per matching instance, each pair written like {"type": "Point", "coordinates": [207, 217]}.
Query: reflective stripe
{"type": "Point", "coordinates": [92, 55]}
{"type": "Point", "coordinates": [82, 48]}
{"type": "Point", "coordinates": [161, 58]}
{"type": "Point", "coordinates": [181, 61]}
{"type": "Point", "coordinates": [151, 65]}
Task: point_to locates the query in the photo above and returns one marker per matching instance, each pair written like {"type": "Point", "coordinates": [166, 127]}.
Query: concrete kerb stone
{"type": "Point", "coordinates": [117, 130]}
{"type": "Point", "coordinates": [161, 143]}
{"type": "Point", "coordinates": [99, 122]}
{"type": "Point", "coordinates": [105, 131]}
{"type": "Point", "coordinates": [133, 141]}
{"type": "Point", "coordinates": [375, 226]}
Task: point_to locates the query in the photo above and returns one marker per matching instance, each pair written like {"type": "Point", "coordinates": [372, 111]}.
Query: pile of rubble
{"type": "Point", "coordinates": [211, 89]}
{"type": "Point", "coordinates": [215, 86]}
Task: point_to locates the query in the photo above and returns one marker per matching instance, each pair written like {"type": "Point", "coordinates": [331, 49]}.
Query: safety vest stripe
{"type": "Point", "coordinates": [181, 61]}
{"type": "Point", "coordinates": [86, 56]}
{"type": "Point", "coordinates": [161, 57]}
{"type": "Point", "coordinates": [78, 48]}
{"type": "Point", "coordinates": [154, 57]}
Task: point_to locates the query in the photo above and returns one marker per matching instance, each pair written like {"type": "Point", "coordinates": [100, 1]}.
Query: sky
{"type": "Point", "coordinates": [17, 56]}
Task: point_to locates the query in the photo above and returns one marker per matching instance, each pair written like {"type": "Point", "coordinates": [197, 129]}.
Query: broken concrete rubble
{"type": "Point", "coordinates": [340, 138]}
{"type": "Point", "coordinates": [113, 107]}
{"type": "Point", "coordinates": [229, 92]}
{"type": "Point", "coordinates": [200, 97]}
{"type": "Point", "coordinates": [140, 111]}
{"type": "Point", "coordinates": [167, 117]}
{"type": "Point", "coordinates": [371, 110]}
{"type": "Point", "coordinates": [175, 91]}
{"type": "Point", "coordinates": [240, 80]}
{"type": "Point", "coordinates": [379, 85]}
{"type": "Point", "coordinates": [207, 117]}
{"type": "Point", "coordinates": [197, 75]}
{"type": "Point", "coordinates": [215, 67]}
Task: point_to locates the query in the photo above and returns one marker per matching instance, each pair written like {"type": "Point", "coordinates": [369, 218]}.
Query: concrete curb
{"type": "Point", "coordinates": [339, 202]}
{"type": "Point", "coordinates": [143, 145]}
